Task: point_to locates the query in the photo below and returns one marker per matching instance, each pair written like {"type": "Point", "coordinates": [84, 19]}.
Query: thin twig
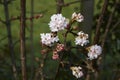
{"type": "Point", "coordinates": [73, 33]}
{"type": "Point", "coordinates": [58, 68]}
{"type": "Point", "coordinates": [27, 18]}
{"type": "Point", "coordinates": [117, 23]}
{"type": "Point", "coordinates": [99, 23]}
{"type": "Point", "coordinates": [40, 69]}
{"type": "Point", "coordinates": [69, 3]}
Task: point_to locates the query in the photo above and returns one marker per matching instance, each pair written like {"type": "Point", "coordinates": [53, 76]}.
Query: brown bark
{"type": "Point", "coordinates": [22, 39]}
{"type": "Point", "coordinates": [99, 23]}
{"type": "Point", "coordinates": [59, 7]}
{"type": "Point", "coordinates": [108, 24]}
{"type": "Point", "coordinates": [40, 69]}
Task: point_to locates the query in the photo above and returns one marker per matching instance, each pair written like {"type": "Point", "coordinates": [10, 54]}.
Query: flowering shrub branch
{"type": "Point", "coordinates": [51, 40]}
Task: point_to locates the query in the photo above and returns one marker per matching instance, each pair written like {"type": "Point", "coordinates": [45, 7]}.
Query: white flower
{"type": "Point", "coordinates": [81, 39]}
{"type": "Point", "coordinates": [48, 39]}
{"type": "Point", "coordinates": [94, 51]}
{"type": "Point", "coordinates": [58, 22]}
{"type": "Point", "coordinates": [77, 71]}
{"type": "Point", "coordinates": [78, 17]}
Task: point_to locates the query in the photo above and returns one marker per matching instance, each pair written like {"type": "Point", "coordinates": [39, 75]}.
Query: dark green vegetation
{"type": "Point", "coordinates": [109, 65]}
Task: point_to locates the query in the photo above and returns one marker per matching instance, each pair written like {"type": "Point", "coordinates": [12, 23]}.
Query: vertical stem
{"type": "Point", "coordinates": [99, 23]}
{"type": "Point", "coordinates": [40, 69]}
{"type": "Point", "coordinates": [22, 39]}
{"type": "Point", "coordinates": [31, 38]}
{"type": "Point", "coordinates": [59, 6]}
{"type": "Point", "coordinates": [108, 24]}
{"type": "Point", "coordinates": [87, 76]}
{"type": "Point", "coordinates": [97, 34]}
{"type": "Point", "coordinates": [10, 42]}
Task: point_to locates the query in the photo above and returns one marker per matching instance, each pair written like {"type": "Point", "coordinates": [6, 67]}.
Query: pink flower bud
{"type": "Point", "coordinates": [60, 47]}
{"type": "Point", "coordinates": [55, 55]}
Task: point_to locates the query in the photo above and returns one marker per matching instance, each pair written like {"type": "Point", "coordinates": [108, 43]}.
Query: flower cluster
{"type": "Point", "coordinates": [94, 51]}
{"type": "Point", "coordinates": [78, 17]}
{"type": "Point", "coordinates": [81, 39]}
{"type": "Point", "coordinates": [60, 47]}
{"type": "Point", "coordinates": [58, 22]}
{"type": "Point", "coordinates": [48, 39]}
{"type": "Point", "coordinates": [77, 71]}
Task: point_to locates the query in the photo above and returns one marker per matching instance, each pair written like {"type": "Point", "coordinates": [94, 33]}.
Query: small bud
{"type": "Point", "coordinates": [43, 51]}
{"type": "Point", "coordinates": [60, 47]}
{"type": "Point", "coordinates": [37, 59]}
{"type": "Point", "coordinates": [75, 28]}
{"type": "Point", "coordinates": [55, 55]}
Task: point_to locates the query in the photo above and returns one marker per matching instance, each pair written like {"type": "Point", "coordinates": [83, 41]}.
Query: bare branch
{"type": "Point", "coordinates": [68, 4]}
{"type": "Point", "coordinates": [99, 23]}
{"type": "Point", "coordinates": [35, 17]}
{"type": "Point", "coordinates": [117, 23]}
{"type": "Point", "coordinates": [40, 69]}
{"type": "Point", "coordinates": [108, 24]}
{"type": "Point", "coordinates": [59, 7]}
{"type": "Point", "coordinates": [28, 18]}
